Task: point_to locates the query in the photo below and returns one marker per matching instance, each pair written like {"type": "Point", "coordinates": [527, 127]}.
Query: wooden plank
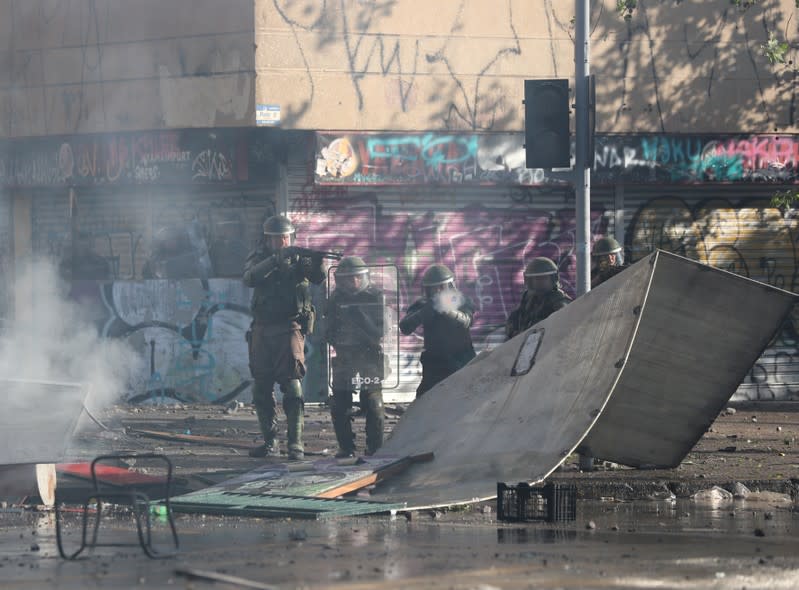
{"type": "Point", "coordinates": [193, 438]}
{"type": "Point", "coordinates": [376, 476]}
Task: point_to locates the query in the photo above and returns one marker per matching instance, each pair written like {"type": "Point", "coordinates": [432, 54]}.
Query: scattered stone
{"type": "Point", "coordinates": [779, 428]}
{"type": "Point", "coordinates": [769, 498]}
{"type": "Point", "coordinates": [730, 411]}
{"type": "Point", "coordinates": [760, 533]}
{"type": "Point", "coordinates": [728, 449]}
{"type": "Point", "coordinates": [769, 516]}
{"type": "Point", "coordinates": [436, 515]}
{"type": "Point", "coordinates": [486, 509]}
{"type": "Point", "coordinates": [590, 525]}
{"type": "Point", "coordinates": [714, 495]}
{"type": "Point", "coordinates": [614, 528]}
{"type": "Point", "coordinates": [740, 491]}
{"type": "Point", "coordinates": [754, 418]}
{"type": "Point", "coordinates": [34, 546]}
{"type": "Point", "coordinates": [762, 561]}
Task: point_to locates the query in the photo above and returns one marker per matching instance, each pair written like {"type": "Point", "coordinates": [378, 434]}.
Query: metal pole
{"type": "Point", "coordinates": [582, 167]}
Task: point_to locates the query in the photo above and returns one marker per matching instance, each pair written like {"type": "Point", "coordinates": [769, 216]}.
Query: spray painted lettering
{"type": "Point", "coordinates": [127, 158]}
{"type": "Point", "coordinates": [498, 159]}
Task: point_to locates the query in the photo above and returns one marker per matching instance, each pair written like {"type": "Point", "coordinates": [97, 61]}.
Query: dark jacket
{"type": "Point", "coordinates": [533, 309]}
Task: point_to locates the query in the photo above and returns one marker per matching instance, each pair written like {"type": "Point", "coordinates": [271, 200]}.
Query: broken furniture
{"type": "Point", "coordinates": [308, 489]}
{"type": "Point", "coordinates": [33, 439]}
{"type": "Point", "coordinates": [127, 494]}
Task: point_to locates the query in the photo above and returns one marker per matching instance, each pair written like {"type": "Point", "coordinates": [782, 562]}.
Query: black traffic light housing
{"type": "Point", "coordinates": [546, 123]}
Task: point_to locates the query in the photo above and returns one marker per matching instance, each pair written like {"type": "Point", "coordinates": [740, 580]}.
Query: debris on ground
{"type": "Point", "coordinates": [223, 578]}
{"type": "Point", "coordinates": [714, 495]}
{"type": "Point", "coordinates": [740, 491]}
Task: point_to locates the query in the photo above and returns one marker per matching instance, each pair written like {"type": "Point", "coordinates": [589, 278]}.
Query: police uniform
{"type": "Point", "coordinates": [603, 271]}
{"type": "Point", "coordinates": [541, 299]}
{"type": "Point", "coordinates": [533, 309]}
{"type": "Point", "coordinates": [355, 330]}
{"type": "Point", "coordinates": [282, 314]}
{"type": "Point", "coordinates": [447, 341]}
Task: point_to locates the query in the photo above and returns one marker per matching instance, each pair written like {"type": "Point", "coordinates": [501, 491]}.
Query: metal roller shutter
{"type": "Point", "coordinates": [484, 234]}
{"type": "Point", "coordinates": [122, 222]}
{"type": "Point", "coordinates": [736, 229]}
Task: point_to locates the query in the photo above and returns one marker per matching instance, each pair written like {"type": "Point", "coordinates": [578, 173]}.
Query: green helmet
{"type": "Point", "coordinates": [539, 267]}
{"type": "Point", "coordinates": [437, 274]}
{"type": "Point", "coordinates": [277, 225]}
{"type": "Point", "coordinates": [351, 265]}
{"type": "Point", "coordinates": [606, 245]}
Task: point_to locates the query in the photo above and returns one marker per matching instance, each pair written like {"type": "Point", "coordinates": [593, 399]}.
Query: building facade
{"type": "Point", "coordinates": [163, 135]}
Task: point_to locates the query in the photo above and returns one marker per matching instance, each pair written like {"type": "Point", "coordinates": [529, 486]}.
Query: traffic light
{"type": "Point", "coordinates": [546, 123]}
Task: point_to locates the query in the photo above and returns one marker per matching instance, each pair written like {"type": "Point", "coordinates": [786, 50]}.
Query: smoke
{"type": "Point", "coordinates": [52, 338]}
{"type": "Point", "coordinates": [447, 300]}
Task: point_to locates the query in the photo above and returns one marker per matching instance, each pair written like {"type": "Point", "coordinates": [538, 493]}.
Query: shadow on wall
{"type": "Point", "coordinates": [749, 238]}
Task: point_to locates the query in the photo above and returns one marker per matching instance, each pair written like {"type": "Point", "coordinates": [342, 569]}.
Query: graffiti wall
{"type": "Point", "coordinates": [221, 156]}
{"type": "Point", "coordinates": [486, 247]}
{"type": "Point", "coordinates": [499, 159]}
{"type": "Point", "coordinates": [747, 237]}
{"type": "Point", "coordinates": [190, 333]}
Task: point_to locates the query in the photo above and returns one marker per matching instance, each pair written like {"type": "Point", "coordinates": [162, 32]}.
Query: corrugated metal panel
{"type": "Point", "coordinates": [484, 234]}
{"type": "Point", "coordinates": [6, 254]}
{"type": "Point", "coordinates": [506, 425]}
{"type": "Point", "coordinates": [685, 360]}
{"type": "Point", "coordinates": [123, 222]}
{"type": "Point", "coordinates": [735, 229]}
{"type": "Point", "coordinates": [635, 387]}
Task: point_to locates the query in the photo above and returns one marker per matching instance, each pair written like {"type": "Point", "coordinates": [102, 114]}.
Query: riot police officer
{"type": "Point", "coordinates": [606, 260]}
{"type": "Point", "coordinates": [355, 330]}
{"type": "Point", "coordinates": [541, 298]}
{"type": "Point", "coordinates": [282, 315]}
{"type": "Point", "coordinates": [445, 315]}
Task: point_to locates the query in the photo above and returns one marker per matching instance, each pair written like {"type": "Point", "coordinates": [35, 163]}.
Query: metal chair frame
{"type": "Point", "coordinates": [139, 502]}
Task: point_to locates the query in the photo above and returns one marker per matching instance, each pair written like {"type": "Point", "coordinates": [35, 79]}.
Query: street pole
{"type": "Point", "coordinates": [583, 164]}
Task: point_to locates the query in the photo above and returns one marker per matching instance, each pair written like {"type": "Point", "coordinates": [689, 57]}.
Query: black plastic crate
{"type": "Point", "coordinates": [552, 502]}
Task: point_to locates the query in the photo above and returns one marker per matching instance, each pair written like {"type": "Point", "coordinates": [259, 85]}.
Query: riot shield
{"type": "Point", "coordinates": [362, 332]}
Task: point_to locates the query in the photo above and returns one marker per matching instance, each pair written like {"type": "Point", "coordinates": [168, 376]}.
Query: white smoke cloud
{"type": "Point", "coordinates": [447, 300]}
{"type": "Point", "coordinates": [52, 338]}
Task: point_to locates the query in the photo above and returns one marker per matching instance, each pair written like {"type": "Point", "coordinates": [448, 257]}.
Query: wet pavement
{"type": "Point", "coordinates": [626, 540]}
{"type": "Point", "coordinates": [628, 545]}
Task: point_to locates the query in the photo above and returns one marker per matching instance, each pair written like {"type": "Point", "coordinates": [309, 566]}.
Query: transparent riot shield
{"type": "Point", "coordinates": [362, 332]}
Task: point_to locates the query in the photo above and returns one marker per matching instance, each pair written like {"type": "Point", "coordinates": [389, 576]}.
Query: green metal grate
{"type": "Point", "coordinates": [277, 506]}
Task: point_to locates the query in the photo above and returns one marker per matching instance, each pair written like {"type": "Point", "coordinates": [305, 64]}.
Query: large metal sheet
{"type": "Point", "coordinates": [701, 331]}
{"type": "Point", "coordinates": [639, 367]}
{"type": "Point", "coordinates": [486, 425]}
{"type": "Point", "coordinates": [38, 420]}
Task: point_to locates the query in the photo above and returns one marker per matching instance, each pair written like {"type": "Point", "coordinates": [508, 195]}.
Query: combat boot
{"type": "Point", "coordinates": [265, 450]}
{"type": "Point", "coordinates": [293, 404]}
{"type": "Point", "coordinates": [340, 404]}
{"type": "Point", "coordinates": [375, 418]}
{"type": "Point", "coordinates": [263, 398]}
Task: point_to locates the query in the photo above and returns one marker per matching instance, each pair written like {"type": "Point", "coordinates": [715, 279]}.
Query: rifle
{"type": "Point", "coordinates": [300, 251]}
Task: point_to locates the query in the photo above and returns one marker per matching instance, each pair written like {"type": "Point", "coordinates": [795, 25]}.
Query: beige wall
{"type": "Point", "coordinates": [75, 66]}
{"type": "Point", "coordinates": [460, 64]}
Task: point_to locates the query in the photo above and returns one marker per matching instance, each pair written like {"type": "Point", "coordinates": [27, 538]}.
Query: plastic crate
{"type": "Point", "coordinates": [523, 502]}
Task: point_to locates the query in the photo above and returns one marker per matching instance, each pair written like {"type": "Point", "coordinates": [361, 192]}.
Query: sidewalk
{"type": "Point", "coordinates": [757, 445]}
